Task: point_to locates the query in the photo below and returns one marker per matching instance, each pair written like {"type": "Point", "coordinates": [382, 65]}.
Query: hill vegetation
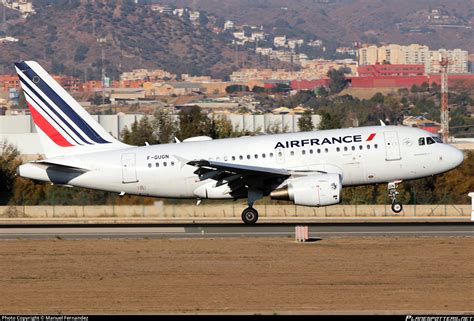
{"type": "Point", "coordinates": [342, 22]}
{"type": "Point", "coordinates": [63, 36]}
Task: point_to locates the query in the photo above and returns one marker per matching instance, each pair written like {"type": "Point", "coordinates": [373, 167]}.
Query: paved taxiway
{"type": "Point", "coordinates": [95, 231]}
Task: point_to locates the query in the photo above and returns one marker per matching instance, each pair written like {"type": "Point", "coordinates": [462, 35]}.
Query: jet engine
{"type": "Point", "coordinates": [313, 190]}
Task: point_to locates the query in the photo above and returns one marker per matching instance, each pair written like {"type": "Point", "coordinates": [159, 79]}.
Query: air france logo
{"type": "Point", "coordinates": [324, 141]}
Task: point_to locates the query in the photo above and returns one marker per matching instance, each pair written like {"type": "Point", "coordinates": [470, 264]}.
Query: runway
{"type": "Point", "coordinates": [316, 230]}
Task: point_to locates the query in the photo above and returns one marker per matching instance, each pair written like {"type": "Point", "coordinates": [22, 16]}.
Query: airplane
{"type": "Point", "coordinates": [307, 168]}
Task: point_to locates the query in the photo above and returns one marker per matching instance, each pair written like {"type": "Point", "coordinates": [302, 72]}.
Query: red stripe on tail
{"type": "Point", "coordinates": [48, 129]}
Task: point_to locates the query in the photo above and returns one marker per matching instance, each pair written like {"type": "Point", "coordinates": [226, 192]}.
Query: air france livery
{"type": "Point", "coordinates": [307, 168]}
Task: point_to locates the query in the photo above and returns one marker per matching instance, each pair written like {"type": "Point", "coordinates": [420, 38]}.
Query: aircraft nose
{"type": "Point", "coordinates": [457, 157]}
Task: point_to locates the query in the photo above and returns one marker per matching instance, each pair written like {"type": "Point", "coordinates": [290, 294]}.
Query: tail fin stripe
{"type": "Point", "coordinates": [59, 102]}
{"type": "Point", "coordinates": [31, 100]}
{"type": "Point", "coordinates": [26, 85]}
{"type": "Point", "coordinates": [49, 130]}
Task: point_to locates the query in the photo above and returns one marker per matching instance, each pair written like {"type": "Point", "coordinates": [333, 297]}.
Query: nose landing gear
{"type": "Point", "coordinates": [397, 207]}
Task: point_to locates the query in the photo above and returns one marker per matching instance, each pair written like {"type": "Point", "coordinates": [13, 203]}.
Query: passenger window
{"type": "Point", "coordinates": [303, 152]}
{"type": "Point", "coordinates": [164, 164]}
{"type": "Point", "coordinates": [326, 150]}
{"type": "Point", "coordinates": [149, 165]}
{"type": "Point", "coordinates": [241, 157]}
{"type": "Point", "coordinates": [360, 147]}
{"type": "Point", "coordinates": [172, 163]}
{"type": "Point", "coordinates": [421, 141]}
{"type": "Point", "coordinates": [368, 146]}
{"type": "Point", "coordinates": [263, 155]}
{"type": "Point", "coordinates": [271, 154]}
{"type": "Point", "coordinates": [353, 148]}
{"type": "Point", "coordinates": [376, 146]}
{"type": "Point", "coordinates": [280, 154]}
{"type": "Point", "coordinates": [429, 140]}
{"type": "Point", "coordinates": [248, 156]}
{"type": "Point", "coordinates": [292, 153]}
{"type": "Point", "coordinates": [311, 151]}
{"type": "Point", "coordinates": [157, 164]}
{"type": "Point", "coordinates": [256, 156]}
{"type": "Point", "coordinates": [338, 149]}
{"type": "Point", "coordinates": [233, 158]}
{"type": "Point", "coordinates": [319, 151]}
{"type": "Point", "coordinates": [345, 148]}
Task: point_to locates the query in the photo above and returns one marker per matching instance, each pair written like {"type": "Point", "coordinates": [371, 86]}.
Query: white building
{"type": "Point", "coordinates": [178, 12]}
{"type": "Point", "coordinates": [279, 41]}
{"type": "Point", "coordinates": [293, 43]}
{"type": "Point", "coordinates": [257, 35]}
{"type": "Point", "coordinates": [415, 54]}
{"type": "Point", "coordinates": [264, 51]}
{"type": "Point", "coordinates": [24, 6]}
{"type": "Point", "coordinates": [229, 25]}
{"type": "Point", "coordinates": [458, 60]}
{"type": "Point", "coordinates": [315, 43]}
{"type": "Point", "coordinates": [194, 17]}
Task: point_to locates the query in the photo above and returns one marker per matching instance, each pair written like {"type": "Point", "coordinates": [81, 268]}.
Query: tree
{"type": "Point", "coordinates": [305, 122]}
{"type": "Point", "coordinates": [378, 98]}
{"type": "Point", "coordinates": [329, 120]}
{"type": "Point", "coordinates": [236, 88]}
{"type": "Point", "coordinates": [221, 127]}
{"type": "Point", "coordinates": [81, 53]}
{"type": "Point", "coordinates": [258, 89]}
{"type": "Point", "coordinates": [9, 161]}
{"type": "Point", "coordinates": [192, 122]}
{"type": "Point", "coordinates": [322, 91]}
{"type": "Point", "coordinates": [337, 80]}
{"type": "Point", "coordinates": [164, 126]}
{"type": "Point", "coordinates": [141, 132]}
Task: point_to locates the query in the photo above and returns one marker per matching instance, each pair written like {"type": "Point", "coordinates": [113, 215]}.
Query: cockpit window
{"type": "Point", "coordinates": [421, 141]}
{"type": "Point", "coordinates": [430, 140]}
{"type": "Point", "coordinates": [437, 139]}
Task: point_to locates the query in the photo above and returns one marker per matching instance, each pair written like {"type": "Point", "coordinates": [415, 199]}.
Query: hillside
{"type": "Point", "coordinates": [63, 36]}
{"type": "Point", "coordinates": [347, 21]}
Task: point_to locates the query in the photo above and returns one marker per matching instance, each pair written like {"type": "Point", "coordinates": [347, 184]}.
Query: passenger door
{"type": "Point", "coordinates": [129, 171]}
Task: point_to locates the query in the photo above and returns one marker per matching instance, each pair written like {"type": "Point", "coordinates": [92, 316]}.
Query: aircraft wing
{"type": "Point", "coordinates": [238, 168]}
{"type": "Point", "coordinates": [240, 178]}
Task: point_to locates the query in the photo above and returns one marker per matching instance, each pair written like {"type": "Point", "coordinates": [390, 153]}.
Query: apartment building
{"type": "Point", "coordinates": [414, 54]}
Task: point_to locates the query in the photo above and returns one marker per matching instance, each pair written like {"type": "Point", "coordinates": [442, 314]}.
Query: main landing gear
{"type": "Point", "coordinates": [250, 215]}
{"type": "Point", "coordinates": [397, 207]}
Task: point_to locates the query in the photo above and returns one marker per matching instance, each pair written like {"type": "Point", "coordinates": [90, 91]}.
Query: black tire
{"type": "Point", "coordinates": [397, 207]}
{"type": "Point", "coordinates": [250, 216]}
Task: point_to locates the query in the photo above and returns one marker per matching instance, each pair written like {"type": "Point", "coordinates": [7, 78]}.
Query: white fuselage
{"type": "Point", "coordinates": [363, 155]}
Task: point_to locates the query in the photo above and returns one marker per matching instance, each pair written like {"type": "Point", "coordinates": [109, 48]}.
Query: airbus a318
{"type": "Point", "coordinates": [307, 168]}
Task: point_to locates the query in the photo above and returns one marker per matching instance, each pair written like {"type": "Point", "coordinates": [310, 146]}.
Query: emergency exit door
{"type": "Point", "coordinates": [392, 146]}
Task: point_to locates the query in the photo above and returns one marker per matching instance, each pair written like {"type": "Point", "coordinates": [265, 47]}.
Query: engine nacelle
{"type": "Point", "coordinates": [314, 190]}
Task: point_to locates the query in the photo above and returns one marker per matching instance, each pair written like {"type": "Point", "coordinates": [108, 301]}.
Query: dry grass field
{"type": "Point", "coordinates": [241, 275]}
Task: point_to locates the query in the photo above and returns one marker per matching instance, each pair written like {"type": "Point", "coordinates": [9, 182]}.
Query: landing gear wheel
{"type": "Point", "coordinates": [250, 216]}
{"type": "Point", "coordinates": [397, 207]}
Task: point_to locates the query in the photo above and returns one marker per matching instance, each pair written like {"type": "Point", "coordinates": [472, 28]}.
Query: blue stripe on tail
{"type": "Point", "coordinates": [54, 97]}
